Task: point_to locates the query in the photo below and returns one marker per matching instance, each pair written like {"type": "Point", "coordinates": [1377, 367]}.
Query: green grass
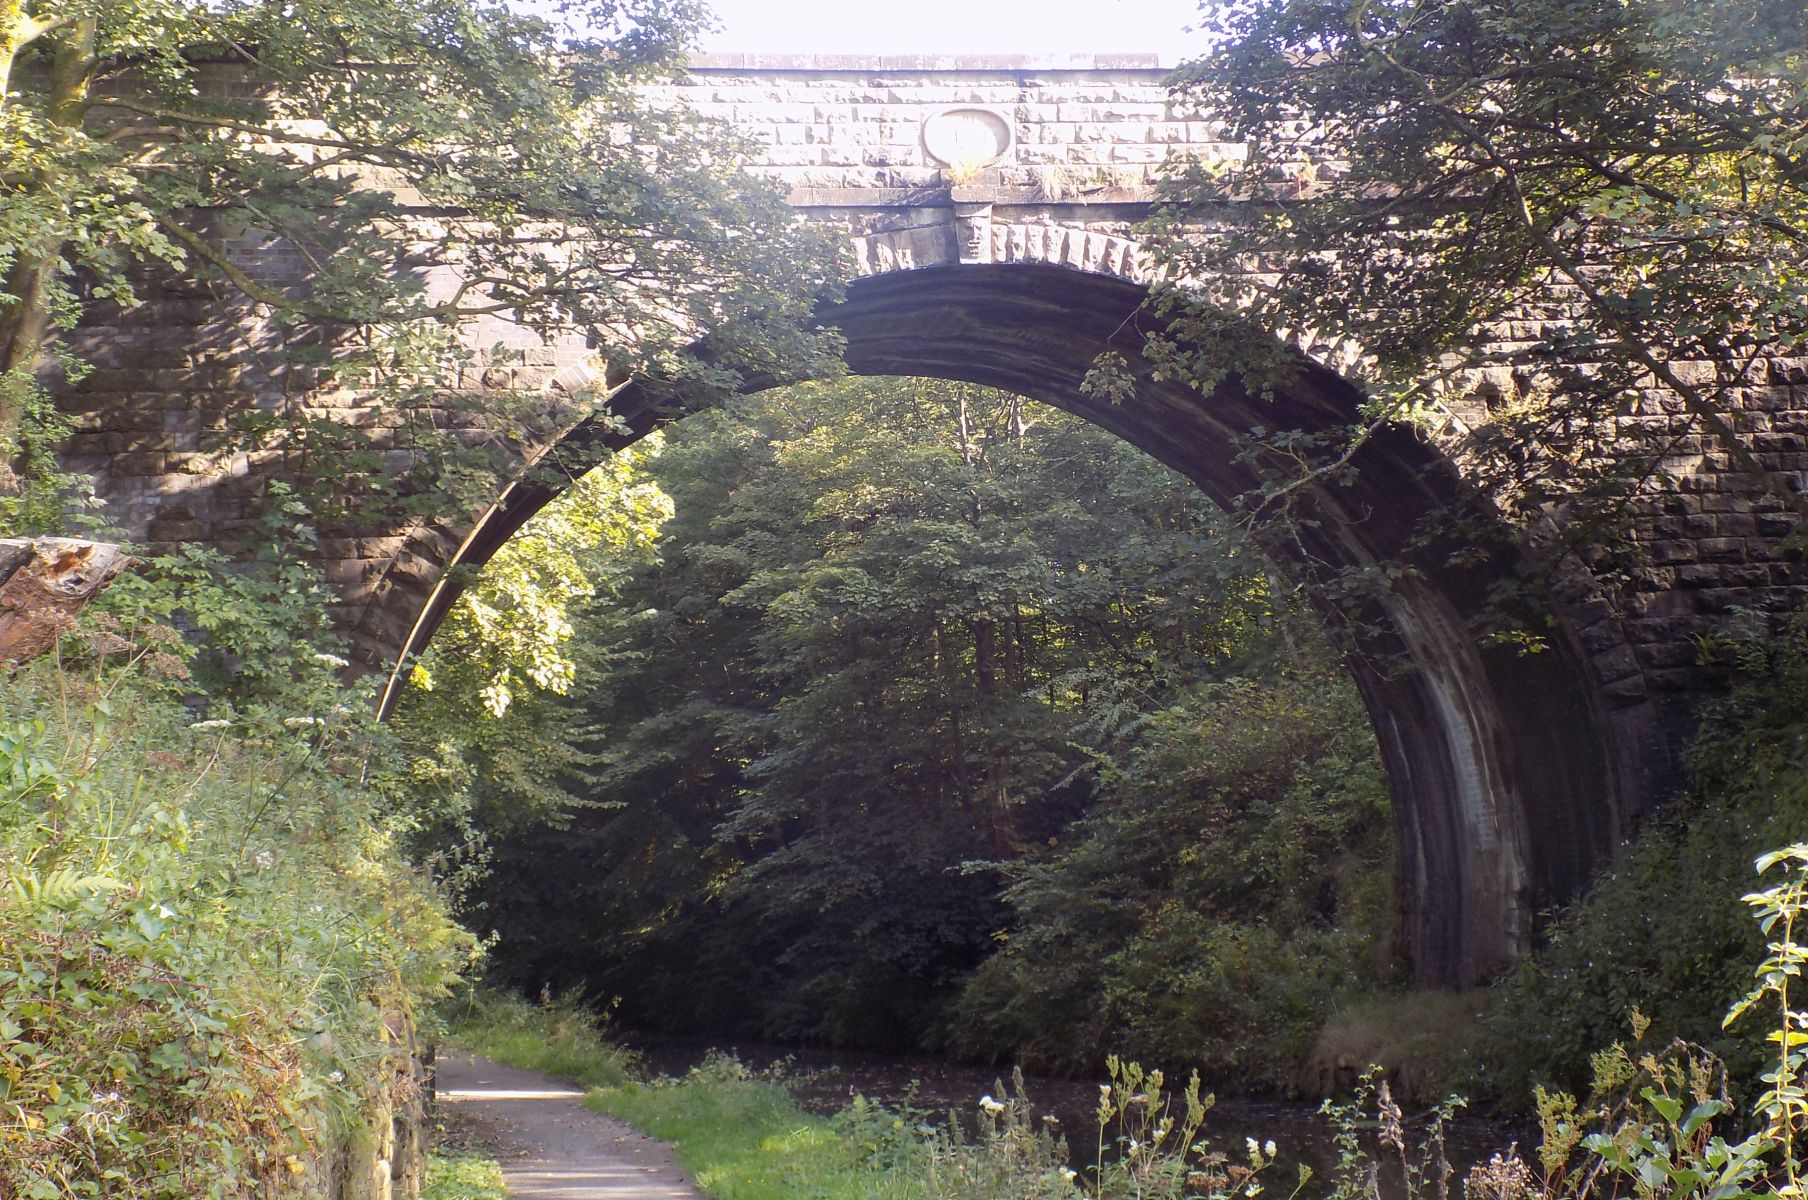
{"type": "Point", "coordinates": [743, 1137]}
{"type": "Point", "coordinates": [460, 1176]}
{"type": "Point", "coordinates": [558, 1037]}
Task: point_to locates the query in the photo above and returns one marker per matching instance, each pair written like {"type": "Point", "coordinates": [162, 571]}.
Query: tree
{"type": "Point", "coordinates": [484, 718]}
{"type": "Point", "coordinates": [418, 162]}
{"type": "Point", "coordinates": [896, 631]}
{"type": "Point", "coordinates": [1554, 203]}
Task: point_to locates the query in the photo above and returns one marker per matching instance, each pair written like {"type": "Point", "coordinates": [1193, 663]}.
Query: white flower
{"type": "Point", "coordinates": [265, 860]}
{"type": "Point", "coordinates": [106, 1111]}
{"type": "Point", "coordinates": [1069, 1174]}
{"type": "Point", "coordinates": [987, 1104]}
{"type": "Point", "coordinates": [331, 660]}
{"type": "Point", "coordinates": [335, 1076]}
{"type": "Point", "coordinates": [302, 722]}
{"type": "Point", "coordinates": [214, 723]}
{"type": "Point", "coordinates": [1268, 1147]}
{"type": "Point", "coordinates": [1255, 1150]}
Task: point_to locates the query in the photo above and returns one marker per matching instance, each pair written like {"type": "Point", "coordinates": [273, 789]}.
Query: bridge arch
{"type": "Point", "coordinates": [1511, 777]}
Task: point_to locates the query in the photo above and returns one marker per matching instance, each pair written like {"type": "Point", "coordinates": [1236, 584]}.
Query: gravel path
{"type": "Point", "coordinates": [551, 1146]}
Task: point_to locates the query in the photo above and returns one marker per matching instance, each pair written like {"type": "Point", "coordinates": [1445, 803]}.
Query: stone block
{"type": "Point", "coordinates": [1674, 550]}
{"type": "Point", "coordinates": [1091, 113]}
{"type": "Point", "coordinates": [140, 463]}
{"type": "Point", "coordinates": [1139, 154]}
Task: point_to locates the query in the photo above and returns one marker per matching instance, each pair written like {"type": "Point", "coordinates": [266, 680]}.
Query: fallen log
{"type": "Point", "coordinates": [44, 583]}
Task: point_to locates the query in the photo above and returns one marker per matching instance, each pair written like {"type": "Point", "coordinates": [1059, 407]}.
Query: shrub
{"type": "Point", "coordinates": [1663, 930]}
{"type": "Point", "coordinates": [209, 940]}
{"type": "Point", "coordinates": [558, 1036]}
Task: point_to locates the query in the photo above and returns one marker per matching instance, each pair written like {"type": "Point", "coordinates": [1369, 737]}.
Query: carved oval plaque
{"type": "Point", "coordinates": [966, 138]}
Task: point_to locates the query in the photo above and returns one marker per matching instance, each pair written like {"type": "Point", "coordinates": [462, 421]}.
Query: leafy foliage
{"type": "Point", "coordinates": [1554, 203]}
{"type": "Point", "coordinates": [211, 939]}
{"type": "Point", "coordinates": [1663, 931]}
{"type": "Point", "coordinates": [206, 925]}
{"type": "Point", "coordinates": [1227, 887]}
{"type": "Point", "coordinates": [402, 169]}
{"type": "Point", "coordinates": [899, 636]}
{"type": "Point", "coordinates": [482, 714]}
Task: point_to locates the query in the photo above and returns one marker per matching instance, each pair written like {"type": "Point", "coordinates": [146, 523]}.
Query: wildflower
{"type": "Point", "coordinates": [335, 1076]}
{"type": "Point", "coordinates": [302, 722]}
{"type": "Point", "coordinates": [987, 1104]}
{"type": "Point", "coordinates": [332, 660]}
{"type": "Point", "coordinates": [1069, 1174]}
{"type": "Point", "coordinates": [1268, 1148]}
{"type": "Point", "coordinates": [1255, 1150]}
{"type": "Point", "coordinates": [265, 860]}
{"type": "Point", "coordinates": [105, 1111]}
{"type": "Point", "coordinates": [214, 723]}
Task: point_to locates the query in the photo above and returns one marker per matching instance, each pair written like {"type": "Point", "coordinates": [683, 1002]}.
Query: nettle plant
{"type": "Point", "coordinates": [208, 930]}
{"type": "Point", "coordinates": [1656, 1123]}
{"type": "Point", "coordinates": [1655, 1126]}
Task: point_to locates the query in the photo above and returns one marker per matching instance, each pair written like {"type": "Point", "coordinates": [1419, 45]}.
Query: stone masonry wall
{"type": "Point", "coordinates": [925, 161]}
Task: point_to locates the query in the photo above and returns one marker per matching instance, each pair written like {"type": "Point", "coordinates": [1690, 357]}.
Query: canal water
{"type": "Point", "coordinates": [825, 1081]}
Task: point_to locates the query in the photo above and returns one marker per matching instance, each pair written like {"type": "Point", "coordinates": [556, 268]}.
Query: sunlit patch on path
{"type": "Point", "coordinates": [566, 1152]}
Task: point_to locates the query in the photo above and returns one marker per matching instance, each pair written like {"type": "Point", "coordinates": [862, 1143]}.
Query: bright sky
{"type": "Point", "coordinates": [1055, 27]}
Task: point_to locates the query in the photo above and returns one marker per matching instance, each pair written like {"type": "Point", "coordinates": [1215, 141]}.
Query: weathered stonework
{"type": "Point", "coordinates": [990, 207]}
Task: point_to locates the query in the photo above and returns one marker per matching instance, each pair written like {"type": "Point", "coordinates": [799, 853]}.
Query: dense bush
{"type": "Point", "coordinates": [1229, 885]}
{"type": "Point", "coordinates": [210, 942]}
{"type": "Point", "coordinates": [1663, 931]}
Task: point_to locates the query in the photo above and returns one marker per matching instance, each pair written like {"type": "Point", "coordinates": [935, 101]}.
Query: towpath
{"type": "Point", "coordinates": [550, 1145]}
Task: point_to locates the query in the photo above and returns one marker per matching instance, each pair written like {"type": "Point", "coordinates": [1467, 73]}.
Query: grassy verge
{"type": "Point", "coordinates": [742, 1137]}
{"type": "Point", "coordinates": [462, 1176]}
{"type": "Point", "coordinates": [556, 1037]}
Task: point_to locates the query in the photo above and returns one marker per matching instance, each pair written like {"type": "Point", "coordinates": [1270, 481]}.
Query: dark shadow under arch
{"type": "Point", "coordinates": [1511, 778]}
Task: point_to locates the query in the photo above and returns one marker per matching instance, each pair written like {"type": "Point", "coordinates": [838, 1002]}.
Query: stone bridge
{"type": "Point", "coordinates": [991, 205]}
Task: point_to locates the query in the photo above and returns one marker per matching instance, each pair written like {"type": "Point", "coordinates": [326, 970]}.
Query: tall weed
{"type": "Point", "coordinates": [210, 940]}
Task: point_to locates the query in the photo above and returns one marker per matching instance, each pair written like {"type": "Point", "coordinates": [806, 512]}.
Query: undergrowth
{"type": "Point", "coordinates": [557, 1036]}
{"type": "Point", "coordinates": [462, 1176]}
{"type": "Point", "coordinates": [742, 1136]}
{"type": "Point", "coordinates": [1659, 1123]}
{"type": "Point", "coordinates": [1662, 930]}
{"type": "Point", "coordinates": [210, 939]}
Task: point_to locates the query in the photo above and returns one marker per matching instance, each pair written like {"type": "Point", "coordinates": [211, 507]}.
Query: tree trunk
{"type": "Point", "coordinates": [25, 321]}
{"type": "Point", "coordinates": [985, 653]}
{"type": "Point", "coordinates": [44, 583]}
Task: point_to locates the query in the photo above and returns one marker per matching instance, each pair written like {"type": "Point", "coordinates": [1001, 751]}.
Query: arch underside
{"type": "Point", "coordinates": [1507, 784]}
